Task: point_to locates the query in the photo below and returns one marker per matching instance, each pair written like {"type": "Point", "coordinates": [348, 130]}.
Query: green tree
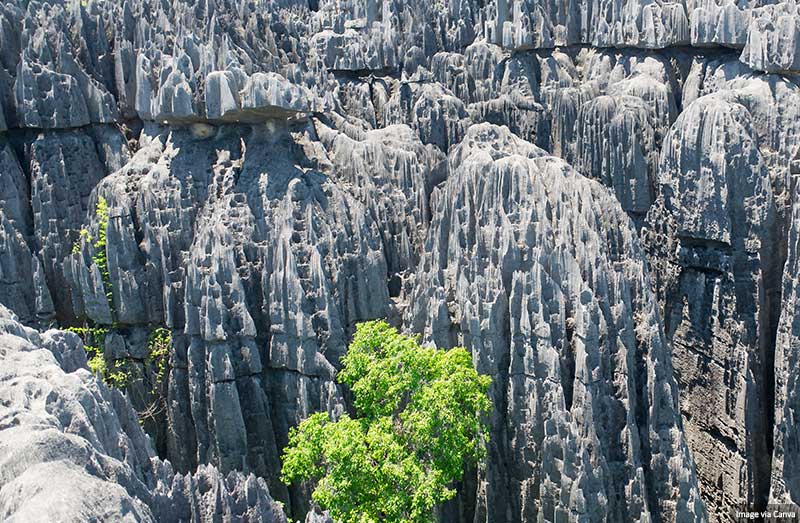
{"type": "Point", "coordinates": [421, 418]}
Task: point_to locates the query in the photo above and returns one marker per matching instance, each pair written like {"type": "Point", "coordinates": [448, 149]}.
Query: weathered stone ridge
{"type": "Point", "coordinates": [568, 330]}
{"type": "Point", "coordinates": [599, 200]}
{"type": "Point", "coordinates": [71, 448]}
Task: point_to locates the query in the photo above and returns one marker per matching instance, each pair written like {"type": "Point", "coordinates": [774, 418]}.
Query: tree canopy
{"type": "Point", "coordinates": [421, 418]}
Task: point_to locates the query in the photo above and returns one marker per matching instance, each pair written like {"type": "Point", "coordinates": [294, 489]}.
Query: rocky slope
{"type": "Point", "coordinates": [72, 449]}
{"type": "Point", "coordinates": [598, 199]}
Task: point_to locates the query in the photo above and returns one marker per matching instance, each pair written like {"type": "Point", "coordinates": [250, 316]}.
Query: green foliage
{"type": "Point", "coordinates": [100, 257]}
{"type": "Point", "coordinates": [120, 373]}
{"type": "Point", "coordinates": [117, 373]}
{"type": "Point", "coordinates": [84, 235]}
{"type": "Point", "coordinates": [94, 344]}
{"type": "Point", "coordinates": [92, 336]}
{"type": "Point", "coordinates": [421, 418]}
{"type": "Point", "coordinates": [159, 344]}
{"type": "Point", "coordinates": [97, 363]}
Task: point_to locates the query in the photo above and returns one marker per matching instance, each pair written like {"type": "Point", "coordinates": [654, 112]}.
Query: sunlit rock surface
{"type": "Point", "coordinates": [71, 448]}
{"type": "Point", "coordinates": [599, 200]}
{"type": "Point", "coordinates": [556, 306]}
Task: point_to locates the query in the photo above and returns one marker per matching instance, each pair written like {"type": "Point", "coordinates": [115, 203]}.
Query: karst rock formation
{"type": "Point", "coordinates": [598, 199]}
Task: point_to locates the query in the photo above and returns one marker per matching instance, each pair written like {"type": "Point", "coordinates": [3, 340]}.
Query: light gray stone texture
{"type": "Point", "coordinates": [553, 317]}
{"type": "Point", "coordinates": [785, 487]}
{"type": "Point", "coordinates": [598, 199]}
{"type": "Point", "coordinates": [773, 38]}
{"type": "Point", "coordinates": [715, 215]}
{"type": "Point", "coordinates": [71, 448]}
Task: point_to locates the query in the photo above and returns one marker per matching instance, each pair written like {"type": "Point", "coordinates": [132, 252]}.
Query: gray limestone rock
{"type": "Point", "coordinates": [317, 516]}
{"type": "Point", "coordinates": [47, 99]}
{"type": "Point", "coordinates": [773, 38]}
{"type": "Point", "coordinates": [72, 450]}
{"type": "Point", "coordinates": [720, 23]}
{"type": "Point", "coordinates": [785, 487]}
{"type": "Point", "coordinates": [394, 175]}
{"type": "Point", "coordinates": [521, 268]}
{"type": "Point", "coordinates": [272, 265]}
{"type": "Point", "coordinates": [22, 282]}
{"type": "Point", "coordinates": [353, 50]}
{"type": "Point", "coordinates": [277, 171]}
{"type": "Point", "coordinates": [532, 24]}
{"type": "Point", "coordinates": [438, 117]}
{"type": "Point", "coordinates": [14, 191]}
{"type": "Point", "coordinates": [64, 167]}
{"type": "Point", "coordinates": [265, 92]}
{"type": "Point", "coordinates": [773, 102]}
{"type": "Point", "coordinates": [525, 117]}
{"type": "Point", "coordinates": [616, 146]}
{"type": "Point", "coordinates": [715, 215]}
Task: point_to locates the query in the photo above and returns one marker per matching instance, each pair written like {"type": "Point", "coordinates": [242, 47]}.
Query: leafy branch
{"type": "Point", "coordinates": [421, 419]}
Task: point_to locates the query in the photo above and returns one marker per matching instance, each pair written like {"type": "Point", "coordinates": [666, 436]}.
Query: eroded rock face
{"type": "Point", "coordinates": [277, 171]}
{"type": "Point", "coordinates": [525, 267]}
{"type": "Point", "coordinates": [614, 143]}
{"type": "Point", "coordinates": [716, 313]}
{"type": "Point", "coordinates": [71, 449]}
{"type": "Point", "coordinates": [773, 38]}
{"type": "Point", "coordinates": [263, 282]}
{"type": "Point", "coordinates": [785, 487]}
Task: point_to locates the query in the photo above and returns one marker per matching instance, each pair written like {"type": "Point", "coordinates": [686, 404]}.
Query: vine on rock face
{"type": "Point", "coordinates": [94, 337]}
{"type": "Point", "coordinates": [94, 344]}
{"type": "Point", "coordinates": [100, 256]}
{"type": "Point", "coordinates": [159, 344]}
{"type": "Point", "coordinates": [120, 373]}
